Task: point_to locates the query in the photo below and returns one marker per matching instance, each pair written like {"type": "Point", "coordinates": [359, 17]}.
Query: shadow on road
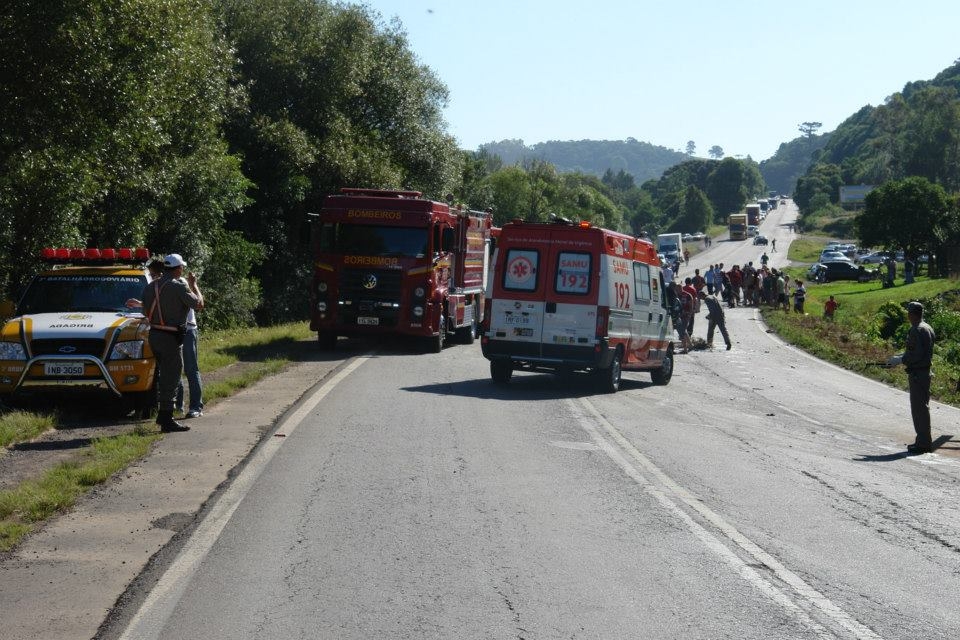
{"type": "Point", "coordinates": [938, 444]}
{"type": "Point", "coordinates": [526, 386]}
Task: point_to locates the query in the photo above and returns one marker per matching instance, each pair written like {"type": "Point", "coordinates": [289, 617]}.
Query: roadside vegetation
{"type": "Point", "coordinates": [871, 324]}
{"type": "Point", "coordinates": [235, 359]}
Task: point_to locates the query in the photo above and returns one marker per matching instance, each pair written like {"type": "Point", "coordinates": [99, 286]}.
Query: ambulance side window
{"type": "Point", "coordinates": [573, 273]}
{"type": "Point", "coordinates": [641, 282]}
{"type": "Point", "coordinates": [520, 270]}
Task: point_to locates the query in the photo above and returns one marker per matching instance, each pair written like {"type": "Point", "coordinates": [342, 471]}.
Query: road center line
{"type": "Point", "coordinates": [668, 487]}
{"type": "Point", "coordinates": [163, 598]}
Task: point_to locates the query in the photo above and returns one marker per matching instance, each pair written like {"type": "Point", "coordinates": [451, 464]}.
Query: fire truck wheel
{"type": "Point", "coordinates": [610, 377]}
{"type": "Point", "coordinates": [501, 371]}
{"type": "Point", "coordinates": [436, 342]}
{"type": "Point", "coordinates": [662, 375]}
{"type": "Point", "coordinates": [326, 340]}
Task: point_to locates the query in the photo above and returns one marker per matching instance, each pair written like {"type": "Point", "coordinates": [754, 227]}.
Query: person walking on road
{"type": "Point", "coordinates": [773, 245]}
{"type": "Point", "coordinates": [166, 302]}
{"type": "Point", "coordinates": [917, 359]}
{"type": "Point", "coordinates": [715, 320]}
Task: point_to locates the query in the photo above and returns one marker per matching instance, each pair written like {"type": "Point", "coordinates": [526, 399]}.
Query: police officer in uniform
{"type": "Point", "coordinates": [916, 358]}
{"type": "Point", "coordinates": [165, 304]}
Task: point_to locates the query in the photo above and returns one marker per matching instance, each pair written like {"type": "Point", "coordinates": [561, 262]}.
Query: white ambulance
{"type": "Point", "coordinates": [573, 297]}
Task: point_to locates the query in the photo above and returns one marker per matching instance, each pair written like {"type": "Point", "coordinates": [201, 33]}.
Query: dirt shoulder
{"type": "Point", "coordinates": [64, 579]}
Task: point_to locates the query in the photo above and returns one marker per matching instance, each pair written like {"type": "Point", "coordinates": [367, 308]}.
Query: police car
{"type": "Point", "coordinates": [72, 332]}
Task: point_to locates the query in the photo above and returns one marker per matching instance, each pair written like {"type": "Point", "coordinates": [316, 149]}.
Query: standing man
{"type": "Point", "coordinates": [191, 364]}
{"type": "Point", "coordinates": [715, 319]}
{"type": "Point", "coordinates": [917, 359]}
{"type": "Point", "coordinates": [166, 302]}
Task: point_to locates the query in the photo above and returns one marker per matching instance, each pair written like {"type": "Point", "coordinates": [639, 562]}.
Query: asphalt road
{"type": "Point", "coordinates": [762, 494]}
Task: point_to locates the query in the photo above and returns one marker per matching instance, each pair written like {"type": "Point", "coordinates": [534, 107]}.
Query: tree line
{"type": "Point", "coordinates": [910, 148]}
{"type": "Point", "coordinates": [213, 127]}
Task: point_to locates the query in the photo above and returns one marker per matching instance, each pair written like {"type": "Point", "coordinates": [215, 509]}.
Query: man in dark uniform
{"type": "Point", "coordinates": [165, 304]}
{"type": "Point", "coordinates": [916, 359]}
{"type": "Point", "coordinates": [715, 319]}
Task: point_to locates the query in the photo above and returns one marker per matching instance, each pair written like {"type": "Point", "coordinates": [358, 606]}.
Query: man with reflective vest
{"type": "Point", "coordinates": [166, 303]}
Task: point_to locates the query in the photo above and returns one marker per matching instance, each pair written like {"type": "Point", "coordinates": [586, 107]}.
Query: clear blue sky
{"type": "Point", "coordinates": [741, 74]}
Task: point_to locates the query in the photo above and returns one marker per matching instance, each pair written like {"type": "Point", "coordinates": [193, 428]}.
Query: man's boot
{"type": "Point", "coordinates": [168, 424]}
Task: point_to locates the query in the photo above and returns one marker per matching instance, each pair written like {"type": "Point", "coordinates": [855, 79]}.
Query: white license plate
{"type": "Point", "coordinates": [63, 368]}
{"type": "Point", "coordinates": [366, 320]}
{"type": "Point", "coordinates": [517, 319]}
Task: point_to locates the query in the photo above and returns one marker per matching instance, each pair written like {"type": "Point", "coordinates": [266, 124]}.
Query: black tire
{"type": "Point", "coordinates": [436, 342]}
{"type": "Point", "coordinates": [144, 403]}
{"type": "Point", "coordinates": [467, 334]}
{"type": "Point", "coordinates": [501, 371]}
{"type": "Point", "coordinates": [611, 376]}
{"type": "Point", "coordinates": [662, 375]}
{"type": "Point", "coordinates": [327, 340]}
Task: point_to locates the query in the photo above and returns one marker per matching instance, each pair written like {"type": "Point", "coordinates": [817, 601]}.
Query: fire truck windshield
{"type": "Point", "coordinates": [372, 240]}
{"type": "Point", "coordinates": [56, 293]}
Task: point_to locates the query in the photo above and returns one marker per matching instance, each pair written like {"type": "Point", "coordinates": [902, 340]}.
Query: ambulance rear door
{"type": "Point", "coordinates": [517, 304]}
{"type": "Point", "coordinates": [570, 309]}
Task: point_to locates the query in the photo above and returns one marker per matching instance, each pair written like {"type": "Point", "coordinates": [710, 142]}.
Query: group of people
{"type": "Point", "coordinates": [170, 302]}
{"type": "Point", "coordinates": [686, 301]}
{"type": "Point", "coordinates": [752, 287]}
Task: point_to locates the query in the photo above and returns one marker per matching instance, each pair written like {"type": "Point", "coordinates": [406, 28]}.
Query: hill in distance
{"type": "Point", "coordinates": [642, 160]}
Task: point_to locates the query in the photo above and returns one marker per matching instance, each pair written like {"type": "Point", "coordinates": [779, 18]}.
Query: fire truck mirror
{"type": "Point", "coordinates": [449, 240]}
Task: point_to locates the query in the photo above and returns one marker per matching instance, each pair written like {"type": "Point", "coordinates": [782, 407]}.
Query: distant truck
{"type": "Point", "coordinates": [671, 246]}
{"type": "Point", "coordinates": [738, 226]}
{"type": "Point", "coordinates": [753, 213]}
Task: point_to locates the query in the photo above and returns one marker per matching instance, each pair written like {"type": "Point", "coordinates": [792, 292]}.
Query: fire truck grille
{"type": "Point", "coordinates": [371, 285]}
{"type": "Point", "coordinates": [67, 347]}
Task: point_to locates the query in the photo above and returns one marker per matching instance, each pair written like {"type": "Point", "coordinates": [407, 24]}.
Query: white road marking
{"type": "Point", "coordinates": [163, 598]}
{"type": "Point", "coordinates": [665, 487]}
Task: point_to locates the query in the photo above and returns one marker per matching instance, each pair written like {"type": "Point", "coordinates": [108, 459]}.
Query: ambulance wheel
{"type": "Point", "coordinates": [610, 377]}
{"type": "Point", "coordinates": [662, 375]}
{"type": "Point", "coordinates": [327, 340]}
{"type": "Point", "coordinates": [467, 334]}
{"type": "Point", "coordinates": [501, 371]}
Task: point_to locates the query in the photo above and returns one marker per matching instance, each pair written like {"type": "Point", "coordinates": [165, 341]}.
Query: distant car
{"type": "Point", "coordinates": [833, 256]}
{"type": "Point", "coordinates": [841, 270]}
{"type": "Point", "coordinates": [877, 257]}
{"type": "Point", "coordinates": [752, 230]}
{"type": "Point", "coordinates": [699, 235]}
{"type": "Point", "coordinates": [758, 239]}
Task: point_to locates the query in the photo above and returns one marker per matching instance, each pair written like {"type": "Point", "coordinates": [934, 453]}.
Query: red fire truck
{"type": "Point", "coordinates": [393, 262]}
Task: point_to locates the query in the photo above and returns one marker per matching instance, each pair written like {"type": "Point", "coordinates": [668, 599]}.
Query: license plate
{"type": "Point", "coordinates": [63, 368]}
{"type": "Point", "coordinates": [511, 319]}
{"type": "Point", "coordinates": [366, 320]}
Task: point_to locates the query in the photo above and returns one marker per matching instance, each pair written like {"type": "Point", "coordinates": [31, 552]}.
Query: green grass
{"type": "Point", "coordinates": [248, 376]}
{"type": "Point", "coordinates": [219, 349]}
{"type": "Point", "coordinates": [851, 340]}
{"type": "Point", "coordinates": [22, 426]}
{"type": "Point", "coordinates": [263, 351]}
{"type": "Point", "coordinates": [33, 501]}
{"type": "Point", "coordinates": [805, 250]}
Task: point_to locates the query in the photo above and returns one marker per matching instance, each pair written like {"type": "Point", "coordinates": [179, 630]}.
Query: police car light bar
{"type": "Point", "coordinates": [93, 255]}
